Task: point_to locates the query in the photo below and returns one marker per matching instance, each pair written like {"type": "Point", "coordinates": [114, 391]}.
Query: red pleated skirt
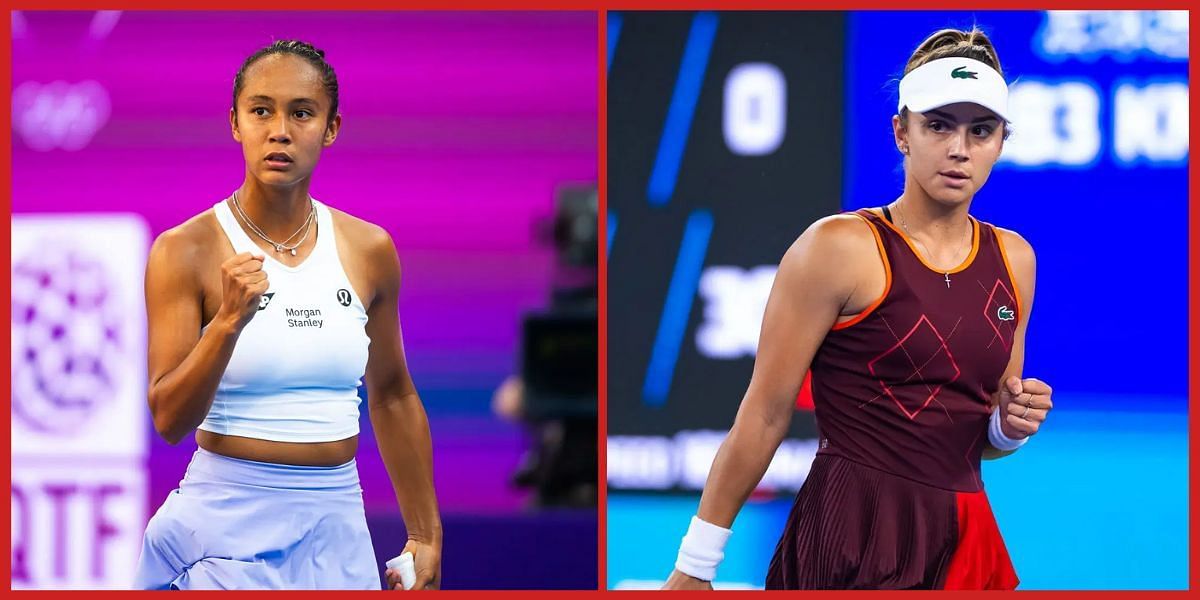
{"type": "Point", "coordinates": [855, 527]}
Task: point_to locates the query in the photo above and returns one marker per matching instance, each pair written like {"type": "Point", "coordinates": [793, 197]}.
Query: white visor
{"type": "Point", "coordinates": [951, 80]}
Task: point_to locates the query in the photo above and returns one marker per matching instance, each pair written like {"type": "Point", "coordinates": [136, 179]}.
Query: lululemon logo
{"type": "Point", "coordinates": [1005, 313]}
{"type": "Point", "coordinates": [264, 300]}
{"type": "Point", "coordinates": [343, 297]}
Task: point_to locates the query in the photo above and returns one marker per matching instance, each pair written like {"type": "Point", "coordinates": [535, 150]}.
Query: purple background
{"type": "Point", "coordinates": [457, 128]}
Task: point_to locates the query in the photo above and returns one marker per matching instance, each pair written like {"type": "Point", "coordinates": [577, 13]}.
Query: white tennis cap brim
{"type": "Point", "coordinates": [948, 81]}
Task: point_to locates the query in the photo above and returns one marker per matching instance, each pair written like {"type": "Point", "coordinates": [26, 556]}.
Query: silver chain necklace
{"type": "Point", "coordinates": [904, 223]}
{"type": "Point", "coordinates": [279, 246]}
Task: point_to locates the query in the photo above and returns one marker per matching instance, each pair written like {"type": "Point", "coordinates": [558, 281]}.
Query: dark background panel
{"type": "Point", "coordinates": [758, 204]}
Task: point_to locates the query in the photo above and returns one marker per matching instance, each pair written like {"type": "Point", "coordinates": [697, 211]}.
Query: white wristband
{"type": "Point", "coordinates": [702, 549]}
{"type": "Point", "coordinates": [996, 435]}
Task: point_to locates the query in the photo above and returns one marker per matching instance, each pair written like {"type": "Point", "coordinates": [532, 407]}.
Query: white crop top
{"type": "Point", "coordinates": [297, 365]}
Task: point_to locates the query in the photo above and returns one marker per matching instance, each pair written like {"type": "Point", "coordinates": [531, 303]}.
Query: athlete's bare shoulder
{"type": "Point", "coordinates": [845, 231]}
{"type": "Point", "coordinates": [183, 259]}
{"type": "Point", "coordinates": [368, 255]}
{"type": "Point", "coordinates": [1016, 246]}
{"type": "Point", "coordinates": [834, 255]}
{"type": "Point", "coordinates": [1021, 257]}
{"type": "Point", "coordinates": [842, 239]}
{"type": "Point", "coordinates": [363, 238]}
{"type": "Point", "coordinates": [189, 243]}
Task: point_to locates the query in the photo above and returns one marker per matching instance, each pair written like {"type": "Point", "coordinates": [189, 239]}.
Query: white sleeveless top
{"type": "Point", "coordinates": [297, 365]}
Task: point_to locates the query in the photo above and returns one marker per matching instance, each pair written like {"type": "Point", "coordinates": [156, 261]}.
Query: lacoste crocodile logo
{"type": "Point", "coordinates": [962, 73]}
{"type": "Point", "coordinates": [1005, 313]}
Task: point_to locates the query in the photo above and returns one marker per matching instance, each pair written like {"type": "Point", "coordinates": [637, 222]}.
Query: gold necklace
{"type": "Point", "coordinates": [279, 246]}
{"type": "Point", "coordinates": [904, 223]}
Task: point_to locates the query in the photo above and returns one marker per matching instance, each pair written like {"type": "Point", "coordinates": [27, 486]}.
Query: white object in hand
{"type": "Point", "coordinates": [403, 564]}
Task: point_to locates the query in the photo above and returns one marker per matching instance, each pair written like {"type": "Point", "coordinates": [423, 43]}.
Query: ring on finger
{"type": "Point", "coordinates": [1025, 412]}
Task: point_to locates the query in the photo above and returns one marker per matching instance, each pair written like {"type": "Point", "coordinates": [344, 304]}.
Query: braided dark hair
{"type": "Point", "coordinates": [305, 50]}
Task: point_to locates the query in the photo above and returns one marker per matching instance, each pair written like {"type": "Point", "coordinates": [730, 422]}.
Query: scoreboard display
{"type": "Point", "coordinates": [725, 143]}
{"type": "Point", "coordinates": [730, 133]}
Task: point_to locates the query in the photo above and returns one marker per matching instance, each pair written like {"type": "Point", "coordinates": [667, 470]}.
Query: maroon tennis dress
{"type": "Point", "coordinates": [894, 499]}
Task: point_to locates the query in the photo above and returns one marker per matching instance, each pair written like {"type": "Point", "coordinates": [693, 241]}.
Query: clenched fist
{"type": "Point", "coordinates": [427, 560]}
{"type": "Point", "coordinates": [1024, 404]}
{"type": "Point", "coordinates": [243, 283]}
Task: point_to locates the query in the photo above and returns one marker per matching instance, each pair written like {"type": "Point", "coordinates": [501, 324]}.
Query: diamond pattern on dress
{"type": "Point", "coordinates": [999, 298]}
{"type": "Point", "coordinates": [910, 351]}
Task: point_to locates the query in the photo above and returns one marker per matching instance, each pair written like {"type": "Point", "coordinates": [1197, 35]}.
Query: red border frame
{"type": "Point", "coordinates": [602, 273]}
{"type": "Point", "coordinates": [6, 181]}
{"type": "Point", "coordinates": [601, 7]}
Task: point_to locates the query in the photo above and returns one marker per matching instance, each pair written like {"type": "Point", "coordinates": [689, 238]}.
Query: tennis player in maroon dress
{"type": "Point", "coordinates": [910, 319]}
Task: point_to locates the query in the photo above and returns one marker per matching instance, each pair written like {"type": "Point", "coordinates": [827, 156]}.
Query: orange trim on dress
{"type": "Point", "coordinates": [966, 263]}
{"type": "Point", "coordinates": [1011, 276]}
{"type": "Point", "coordinates": [887, 274]}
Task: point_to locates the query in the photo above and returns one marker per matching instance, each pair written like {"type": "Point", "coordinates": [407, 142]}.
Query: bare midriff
{"type": "Point", "coordinates": [314, 454]}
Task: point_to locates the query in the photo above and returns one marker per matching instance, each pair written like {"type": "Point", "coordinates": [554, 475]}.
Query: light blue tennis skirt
{"type": "Point", "coordinates": [241, 524]}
